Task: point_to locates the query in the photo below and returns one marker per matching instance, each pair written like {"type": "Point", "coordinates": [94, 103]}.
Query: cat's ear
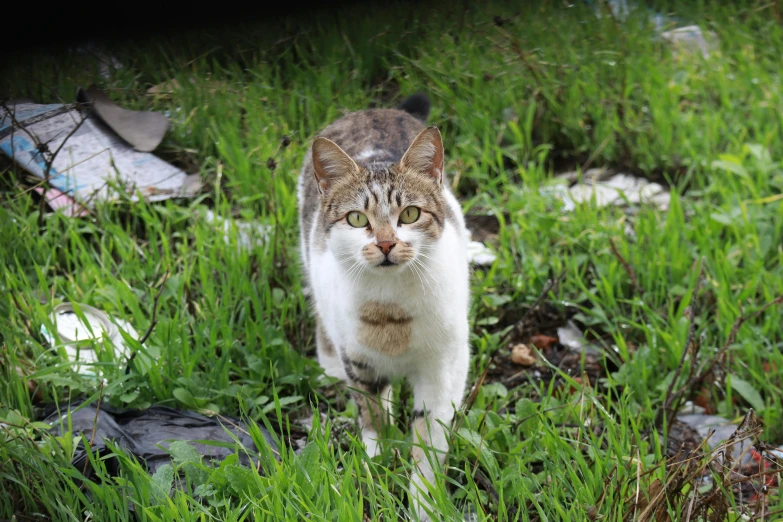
{"type": "Point", "coordinates": [425, 155]}
{"type": "Point", "coordinates": [330, 162]}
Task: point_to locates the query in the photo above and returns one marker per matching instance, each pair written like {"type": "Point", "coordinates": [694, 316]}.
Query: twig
{"type": "Point", "coordinates": [522, 55]}
{"type": "Point", "coordinates": [482, 479]}
{"type": "Point", "coordinates": [42, 149]}
{"type": "Point", "coordinates": [551, 285]}
{"type": "Point", "coordinates": [472, 396]}
{"type": "Point", "coordinates": [627, 267]}
{"type": "Point", "coordinates": [732, 336]}
{"type": "Point", "coordinates": [595, 153]}
{"type": "Point", "coordinates": [147, 334]}
{"type": "Point", "coordinates": [94, 426]}
{"type": "Point", "coordinates": [704, 372]}
{"type": "Point", "coordinates": [50, 162]}
{"type": "Point", "coordinates": [669, 398]}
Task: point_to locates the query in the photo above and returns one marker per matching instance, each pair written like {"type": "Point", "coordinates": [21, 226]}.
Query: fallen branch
{"type": "Point", "coordinates": [707, 369]}
{"type": "Point", "coordinates": [733, 335]}
{"type": "Point", "coordinates": [94, 425]}
{"type": "Point", "coordinates": [154, 322]}
{"type": "Point", "coordinates": [147, 334]}
{"type": "Point", "coordinates": [627, 267]}
{"type": "Point", "coordinates": [551, 285]}
{"type": "Point", "coordinates": [667, 411]}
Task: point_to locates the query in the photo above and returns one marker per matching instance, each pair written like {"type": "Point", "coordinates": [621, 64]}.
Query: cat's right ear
{"type": "Point", "coordinates": [330, 162]}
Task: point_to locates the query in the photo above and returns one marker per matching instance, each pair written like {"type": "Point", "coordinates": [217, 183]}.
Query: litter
{"type": "Point", "coordinates": [618, 190]}
{"type": "Point", "coordinates": [716, 430]}
{"type": "Point", "coordinates": [57, 200]}
{"type": "Point", "coordinates": [478, 253]}
{"type": "Point", "coordinates": [522, 354]}
{"type": "Point", "coordinates": [91, 159]}
{"type": "Point", "coordinates": [141, 129]}
{"type": "Point", "coordinates": [249, 234]}
{"type": "Point", "coordinates": [690, 39]}
{"type": "Point", "coordinates": [107, 62]}
{"type": "Point", "coordinates": [147, 434]}
{"type": "Point", "coordinates": [78, 338]}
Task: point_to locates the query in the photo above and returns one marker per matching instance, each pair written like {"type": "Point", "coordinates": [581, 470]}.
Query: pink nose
{"type": "Point", "coordinates": [386, 246]}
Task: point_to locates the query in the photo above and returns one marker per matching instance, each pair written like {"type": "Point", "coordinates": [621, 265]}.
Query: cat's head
{"type": "Point", "coordinates": [384, 216]}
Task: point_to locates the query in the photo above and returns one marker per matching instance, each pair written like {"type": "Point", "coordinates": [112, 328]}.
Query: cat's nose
{"type": "Point", "coordinates": [386, 246]}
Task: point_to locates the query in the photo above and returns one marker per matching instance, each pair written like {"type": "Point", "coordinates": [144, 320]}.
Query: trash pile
{"type": "Point", "coordinates": [91, 150]}
{"type": "Point", "coordinates": [683, 40]}
{"type": "Point", "coordinates": [608, 188]}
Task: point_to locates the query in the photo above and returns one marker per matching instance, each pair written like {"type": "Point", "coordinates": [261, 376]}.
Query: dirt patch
{"type": "Point", "coordinates": [483, 227]}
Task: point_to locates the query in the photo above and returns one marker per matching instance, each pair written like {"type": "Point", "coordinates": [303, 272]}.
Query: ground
{"type": "Point", "coordinates": [682, 308]}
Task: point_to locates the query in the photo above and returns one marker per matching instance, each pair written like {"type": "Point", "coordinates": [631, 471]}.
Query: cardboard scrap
{"type": "Point", "coordinates": [57, 200]}
{"type": "Point", "coordinates": [144, 130]}
{"type": "Point", "coordinates": [92, 157]}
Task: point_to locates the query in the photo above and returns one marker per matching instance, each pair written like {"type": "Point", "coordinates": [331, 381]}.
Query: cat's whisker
{"type": "Point", "coordinates": [418, 274]}
{"type": "Point", "coordinates": [416, 264]}
{"type": "Point", "coordinates": [428, 274]}
{"type": "Point", "coordinates": [355, 268]}
{"type": "Point", "coordinates": [437, 262]}
{"type": "Point", "coordinates": [354, 273]}
{"type": "Point", "coordinates": [356, 277]}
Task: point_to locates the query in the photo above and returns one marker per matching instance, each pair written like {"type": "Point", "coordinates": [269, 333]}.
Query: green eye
{"type": "Point", "coordinates": [357, 219]}
{"type": "Point", "coordinates": [409, 215]}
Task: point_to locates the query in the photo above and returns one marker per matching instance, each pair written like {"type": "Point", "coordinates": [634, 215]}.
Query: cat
{"type": "Point", "coordinates": [383, 248]}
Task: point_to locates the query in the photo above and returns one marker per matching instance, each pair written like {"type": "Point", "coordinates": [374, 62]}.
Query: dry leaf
{"type": "Point", "coordinates": [543, 342]}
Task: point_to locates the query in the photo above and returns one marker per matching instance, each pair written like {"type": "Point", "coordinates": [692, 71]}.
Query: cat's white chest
{"type": "Point", "coordinates": [395, 322]}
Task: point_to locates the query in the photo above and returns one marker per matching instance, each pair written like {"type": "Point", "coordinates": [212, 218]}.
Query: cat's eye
{"type": "Point", "coordinates": [409, 215]}
{"type": "Point", "coordinates": [357, 219]}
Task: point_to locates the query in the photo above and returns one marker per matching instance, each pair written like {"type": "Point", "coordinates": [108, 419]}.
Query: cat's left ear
{"type": "Point", "coordinates": [330, 162]}
{"type": "Point", "coordinates": [425, 155]}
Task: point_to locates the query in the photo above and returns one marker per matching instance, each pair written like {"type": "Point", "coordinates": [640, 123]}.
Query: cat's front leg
{"type": "Point", "coordinates": [436, 395]}
{"type": "Point", "coordinates": [372, 394]}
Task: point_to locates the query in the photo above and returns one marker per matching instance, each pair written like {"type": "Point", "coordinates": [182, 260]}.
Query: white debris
{"type": "Point", "coordinates": [690, 39]}
{"type": "Point", "coordinates": [690, 408]}
{"type": "Point", "coordinates": [74, 334]}
{"type": "Point", "coordinates": [571, 337]}
{"type": "Point", "coordinates": [619, 190]}
{"type": "Point", "coordinates": [478, 253]}
{"type": "Point", "coordinates": [717, 430]}
{"type": "Point", "coordinates": [249, 234]}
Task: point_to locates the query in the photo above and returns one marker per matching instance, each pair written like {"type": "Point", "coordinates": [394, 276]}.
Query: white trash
{"type": "Point", "coordinates": [73, 335]}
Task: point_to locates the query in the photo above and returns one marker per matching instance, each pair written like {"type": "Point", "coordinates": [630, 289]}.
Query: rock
{"type": "Point", "coordinates": [522, 354]}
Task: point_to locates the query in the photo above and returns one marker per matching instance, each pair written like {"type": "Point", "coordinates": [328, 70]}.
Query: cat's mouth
{"type": "Point", "coordinates": [386, 262]}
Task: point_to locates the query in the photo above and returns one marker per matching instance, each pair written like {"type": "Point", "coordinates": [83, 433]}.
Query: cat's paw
{"type": "Point", "coordinates": [371, 444]}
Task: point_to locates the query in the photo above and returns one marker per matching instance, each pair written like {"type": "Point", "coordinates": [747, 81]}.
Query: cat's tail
{"type": "Point", "coordinates": [417, 105]}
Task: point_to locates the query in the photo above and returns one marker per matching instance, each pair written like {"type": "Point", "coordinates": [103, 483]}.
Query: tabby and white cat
{"type": "Point", "coordinates": [383, 245]}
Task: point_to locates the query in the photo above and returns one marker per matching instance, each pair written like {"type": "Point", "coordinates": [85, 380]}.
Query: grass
{"type": "Point", "coordinates": [518, 92]}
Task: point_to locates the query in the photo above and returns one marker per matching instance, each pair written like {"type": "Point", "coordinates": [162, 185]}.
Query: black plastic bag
{"type": "Point", "coordinates": [146, 434]}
